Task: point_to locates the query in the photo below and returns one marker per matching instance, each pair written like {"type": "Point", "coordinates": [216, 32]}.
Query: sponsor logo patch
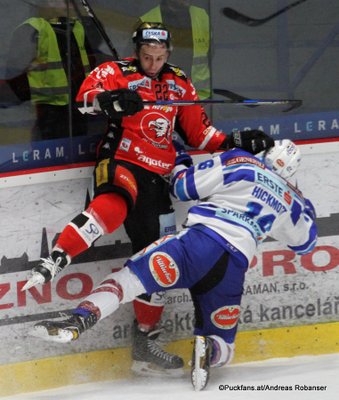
{"type": "Point", "coordinates": [288, 197]}
{"type": "Point", "coordinates": [125, 179]}
{"type": "Point", "coordinates": [164, 269]}
{"type": "Point", "coordinates": [154, 163]}
{"type": "Point", "coordinates": [280, 162]}
{"type": "Point", "coordinates": [144, 82]}
{"type": "Point", "coordinates": [103, 72]}
{"type": "Point", "coordinates": [125, 144]}
{"type": "Point", "coordinates": [226, 317]}
{"type": "Point", "coordinates": [159, 34]}
{"type": "Point", "coordinates": [101, 172]}
{"type": "Point", "coordinates": [244, 160]}
{"type": "Point", "coordinates": [177, 71]}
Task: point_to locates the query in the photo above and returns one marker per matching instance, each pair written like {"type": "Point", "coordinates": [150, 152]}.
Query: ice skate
{"type": "Point", "coordinates": [200, 369]}
{"type": "Point", "coordinates": [47, 268]}
{"type": "Point", "coordinates": [149, 359]}
{"type": "Point", "coordinates": [64, 331]}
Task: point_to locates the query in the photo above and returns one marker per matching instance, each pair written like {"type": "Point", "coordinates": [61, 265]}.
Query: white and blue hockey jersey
{"type": "Point", "coordinates": [243, 202]}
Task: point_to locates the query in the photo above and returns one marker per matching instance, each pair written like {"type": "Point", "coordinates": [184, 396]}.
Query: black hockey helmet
{"type": "Point", "coordinates": [152, 32]}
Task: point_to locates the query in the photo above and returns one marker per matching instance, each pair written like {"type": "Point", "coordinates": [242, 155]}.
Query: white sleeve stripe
{"type": "Point", "coordinates": [207, 138]}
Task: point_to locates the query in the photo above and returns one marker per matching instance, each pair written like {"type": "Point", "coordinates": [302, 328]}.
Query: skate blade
{"type": "Point", "coordinates": [146, 369]}
{"type": "Point", "coordinates": [58, 335]}
{"type": "Point", "coordinates": [35, 279]}
{"type": "Point", "coordinates": [199, 375]}
{"type": "Point", "coordinates": [199, 379]}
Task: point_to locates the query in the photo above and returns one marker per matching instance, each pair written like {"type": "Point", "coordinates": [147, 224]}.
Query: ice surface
{"type": "Point", "coordinates": [306, 371]}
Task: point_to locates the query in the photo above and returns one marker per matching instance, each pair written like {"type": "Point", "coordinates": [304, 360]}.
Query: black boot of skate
{"type": "Point", "coordinates": [66, 330]}
{"type": "Point", "coordinates": [201, 359]}
{"type": "Point", "coordinates": [55, 263]}
{"type": "Point", "coordinates": [47, 268]}
{"type": "Point", "coordinates": [149, 359]}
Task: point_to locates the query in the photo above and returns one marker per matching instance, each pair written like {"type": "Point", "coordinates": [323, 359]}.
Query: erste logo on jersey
{"type": "Point", "coordinates": [288, 197]}
{"type": "Point", "coordinates": [164, 269]}
{"type": "Point", "coordinates": [157, 129]}
{"type": "Point", "coordinates": [226, 317]}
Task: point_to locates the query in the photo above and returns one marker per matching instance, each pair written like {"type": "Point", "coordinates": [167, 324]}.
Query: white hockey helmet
{"type": "Point", "coordinates": [284, 158]}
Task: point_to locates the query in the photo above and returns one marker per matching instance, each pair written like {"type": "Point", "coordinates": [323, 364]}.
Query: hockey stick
{"type": "Point", "coordinates": [99, 26]}
{"type": "Point", "coordinates": [246, 102]}
{"type": "Point", "coordinates": [237, 97]}
{"type": "Point", "coordinates": [244, 19]}
{"type": "Point", "coordinates": [231, 95]}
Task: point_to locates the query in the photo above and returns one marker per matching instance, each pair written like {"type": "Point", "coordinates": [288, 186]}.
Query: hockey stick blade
{"type": "Point", "coordinates": [245, 20]}
{"type": "Point", "coordinates": [237, 97]}
{"type": "Point", "coordinates": [231, 95]}
{"type": "Point", "coordinates": [241, 18]}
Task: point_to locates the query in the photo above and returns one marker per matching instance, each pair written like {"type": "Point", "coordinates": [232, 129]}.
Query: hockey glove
{"type": "Point", "coordinates": [119, 103]}
{"type": "Point", "coordinates": [254, 141]}
{"type": "Point", "coordinates": [182, 158]}
{"type": "Point", "coordinates": [310, 210]}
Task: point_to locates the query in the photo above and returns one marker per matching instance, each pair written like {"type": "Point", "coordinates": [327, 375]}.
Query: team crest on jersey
{"type": "Point", "coordinates": [157, 129]}
{"type": "Point", "coordinates": [164, 269]}
{"type": "Point", "coordinates": [226, 317]}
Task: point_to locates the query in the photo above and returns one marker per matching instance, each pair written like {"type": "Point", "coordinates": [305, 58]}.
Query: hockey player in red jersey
{"type": "Point", "coordinates": [133, 158]}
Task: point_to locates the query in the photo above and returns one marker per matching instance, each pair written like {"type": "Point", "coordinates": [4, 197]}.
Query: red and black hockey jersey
{"type": "Point", "coordinates": [145, 138]}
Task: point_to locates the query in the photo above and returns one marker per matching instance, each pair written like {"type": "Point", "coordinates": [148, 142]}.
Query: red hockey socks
{"type": "Point", "coordinates": [147, 314]}
{"type": "Point", "coordinates": [104, 215]}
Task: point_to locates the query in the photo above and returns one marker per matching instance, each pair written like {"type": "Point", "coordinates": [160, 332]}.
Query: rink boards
{"type": "Point", "coordinates": [290, 304]}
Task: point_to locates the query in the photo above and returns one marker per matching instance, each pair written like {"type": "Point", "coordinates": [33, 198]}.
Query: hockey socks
{"type": "Point", "coordinates": [104, 215]}
{"type": "Point", "coordinates": [147, 314]}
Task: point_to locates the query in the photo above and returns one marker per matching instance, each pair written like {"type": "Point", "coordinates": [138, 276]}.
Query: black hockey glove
{"type": "Point", "coordinates": [183, 159]}
{"type": "Point", "coordinates": [181, 156]}
{"type": "Point", "coordinates": [254, 141]}
{"type": "Point", "coordinates": [119, 103]}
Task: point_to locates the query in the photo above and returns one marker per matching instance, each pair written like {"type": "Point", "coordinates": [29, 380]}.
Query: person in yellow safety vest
{"type": "Point", "coordinates": [47, 78]}
{"type": "Point", "coordinates": [190, 28]}
{"type": "Point", "coordinates": [39, 70]}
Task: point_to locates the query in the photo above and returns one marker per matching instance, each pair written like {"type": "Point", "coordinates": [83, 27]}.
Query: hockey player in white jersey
{"type": "Point", "coordinates": [242, 200]}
